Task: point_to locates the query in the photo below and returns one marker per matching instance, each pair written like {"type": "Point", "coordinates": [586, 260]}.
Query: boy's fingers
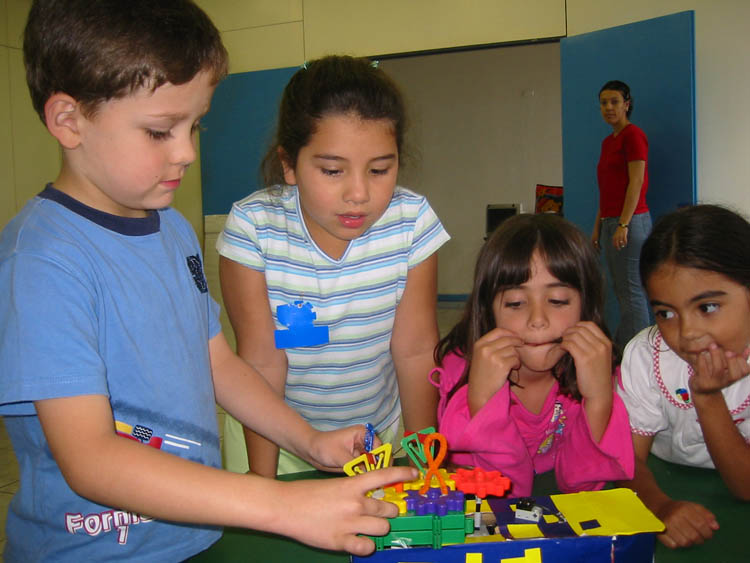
{"type": "Point", "coordinates": [384, 477]}
{"type": "Point", "coordinates": [359, 545]}
{"type": "Point", "coordinates": [380, 508]}
{"type": "Point", "coordinates": [371, 526]}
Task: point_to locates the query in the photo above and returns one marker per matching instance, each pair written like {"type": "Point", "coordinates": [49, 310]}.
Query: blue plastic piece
{"type": "Point", "coordinates": [299, 317]}
{"type": "Point", "coordinates": [369, 436]}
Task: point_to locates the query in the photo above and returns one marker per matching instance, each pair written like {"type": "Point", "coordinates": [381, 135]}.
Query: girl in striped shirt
{"type": "Point", "coordinates": [334, 230]}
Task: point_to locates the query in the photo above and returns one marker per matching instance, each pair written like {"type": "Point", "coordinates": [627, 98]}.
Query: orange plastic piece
{"type": "Point", "coordinates": [433, 464]}
{"type": "Point", "coordinates": [481, 483]}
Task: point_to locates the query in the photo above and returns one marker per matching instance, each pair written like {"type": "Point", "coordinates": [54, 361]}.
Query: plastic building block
{"type": "Point", "coordinates": [413, 446]}
{"type": "Point", "coordinates": [528, 510]}
{"type": "Point", "coordinates": [418, 483]}
{"type": "Point", "coordinates": [433, 464]}
{"type": "Point", "coordinates": [369, 436]}
{"type": "Point", "coordinates": [533, 515]}
{"type": "Point", "coordinates": [299, 317]}
{"type": "Point", "coordinates": [378, 458]}
{"type": "Point", "coordinates": [481, 483]}
{"type": "Point", "coordinates": [433, 520]}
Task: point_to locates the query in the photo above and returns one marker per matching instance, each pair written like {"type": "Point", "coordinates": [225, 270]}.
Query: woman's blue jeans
{"type": "Point", "coordinates": [625, 275]}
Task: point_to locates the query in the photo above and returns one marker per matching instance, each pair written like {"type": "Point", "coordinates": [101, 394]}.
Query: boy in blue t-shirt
{"type": "Point", "coordinates": [111, 353]}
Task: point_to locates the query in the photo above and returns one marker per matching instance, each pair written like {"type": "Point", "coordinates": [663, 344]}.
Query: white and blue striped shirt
{"type": "Point", "coordinates": [351, 379]}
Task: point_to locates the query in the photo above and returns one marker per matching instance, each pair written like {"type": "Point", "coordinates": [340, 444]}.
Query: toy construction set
{"type": "Point", "coordinates": [463, 517]}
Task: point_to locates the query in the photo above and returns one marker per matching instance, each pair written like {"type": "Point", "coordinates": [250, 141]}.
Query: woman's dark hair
{"type": "Point", "coordinates": [705, 237]}
{"type": "Point", "coordinates": [505, 261]}
{"type": "Point", "coordinates": [332, 85]}
{"type": "Point", "coordinates": [621, 87]}
{"type": "Point", "coordinates": [98, 50]}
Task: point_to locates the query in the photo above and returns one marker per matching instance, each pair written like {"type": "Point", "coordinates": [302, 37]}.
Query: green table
{"type": "Point", "coordinates": [698, 485]}
{"type": "Point", "coordinates": [705, 487]}
{"type": "Point", "coordinates": [242, 546]}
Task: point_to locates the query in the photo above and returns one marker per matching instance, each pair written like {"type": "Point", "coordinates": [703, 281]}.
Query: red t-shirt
{"type": "Point", "coordinates": [612, 171]}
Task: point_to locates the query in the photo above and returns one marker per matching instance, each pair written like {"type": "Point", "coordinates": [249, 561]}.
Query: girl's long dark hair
{"type": "Point", "coordinates": [332, 85]}
{"type": "Point", "coordinates": [704, 237]}
{"type": "Point", "coordinates": [505, 261]}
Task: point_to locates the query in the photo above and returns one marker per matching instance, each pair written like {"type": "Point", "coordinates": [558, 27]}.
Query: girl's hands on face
{"type": "Point", "coordinates": [494, 356]}
{"type": "Point", "coordinates": [592, 354]}
{"type": "Point", "coordinates": [718, 368]}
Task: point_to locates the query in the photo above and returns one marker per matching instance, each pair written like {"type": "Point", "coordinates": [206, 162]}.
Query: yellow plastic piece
{"type": "Point", "coordinates": [397, 498]}
{"type": "Point", "coordinates": [474, 558]}
{"type": "Point", "coordinates": [378, 458]}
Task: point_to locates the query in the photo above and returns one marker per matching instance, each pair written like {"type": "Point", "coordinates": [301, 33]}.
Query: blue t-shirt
{"type": "Point", "coordinates": [101, 304]}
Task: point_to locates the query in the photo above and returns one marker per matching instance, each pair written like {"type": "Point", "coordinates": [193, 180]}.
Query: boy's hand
{"type": "Point", "coordinates": [330, 513]}
{"type": "Point", "coordinates": [687, 523]}
{"type": "Point", "coordinates": [494, 356]}
{"type": "Point", "coordinates": [330, 451]}
{"type": "Point", "coordinates": [717, 368]}
{"type": "Point", "coordinates": [592, 354]}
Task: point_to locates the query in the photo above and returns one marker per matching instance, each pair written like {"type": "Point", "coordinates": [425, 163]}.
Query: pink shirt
{"type": "Point", "coordinates": [505, 436]}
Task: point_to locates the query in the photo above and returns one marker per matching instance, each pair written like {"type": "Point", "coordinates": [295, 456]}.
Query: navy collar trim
{"type": "Point", "coordinates": [131, 226]}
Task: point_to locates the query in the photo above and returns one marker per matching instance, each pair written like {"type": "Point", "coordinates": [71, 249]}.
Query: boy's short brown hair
{"type": "Point", "coordinates": [97, 50]}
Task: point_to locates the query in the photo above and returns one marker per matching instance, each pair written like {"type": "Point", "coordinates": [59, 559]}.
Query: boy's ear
{"type": "Point", "coordinates": [289, 176]}
{"type": "Point", "coordinates": [62, 114]}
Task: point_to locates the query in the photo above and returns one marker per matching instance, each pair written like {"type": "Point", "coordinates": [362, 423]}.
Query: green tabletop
{"type": "Point", "coordinates": [687, 483]}
{"type": "Point", "coordinates": [705, 487]}
{"type": "Point", "coordinates": [238, 545]}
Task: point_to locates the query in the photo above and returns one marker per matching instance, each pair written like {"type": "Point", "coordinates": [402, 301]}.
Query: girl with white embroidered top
{"type": "Point", "coordinates": [334, 230]}
{"type": "Point", "coordinates": [685, 381]}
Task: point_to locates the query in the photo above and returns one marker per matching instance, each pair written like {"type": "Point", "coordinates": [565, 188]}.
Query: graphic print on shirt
{"type": "Point", "coordinates": [103, 522]}
{"type": "Point", "coordinates": [120, 521]}
{"type": "Point", "coordinates": [683, 394]}
{"type": "Point", "coordinates": [555, 428]}
{"type": "Point", "coordinates": [145, 435]}
{"type": "Point", "coordinates": [196, 269]}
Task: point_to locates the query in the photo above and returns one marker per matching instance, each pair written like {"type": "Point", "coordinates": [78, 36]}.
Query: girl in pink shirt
{"type": "Point", "coordinates": [525, 377]}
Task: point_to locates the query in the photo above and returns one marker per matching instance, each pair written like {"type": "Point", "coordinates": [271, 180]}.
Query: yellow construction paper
{"type": "Point", "coordinates": [521, 531]}
{"type": "Point", "coordinates": [618, 512]}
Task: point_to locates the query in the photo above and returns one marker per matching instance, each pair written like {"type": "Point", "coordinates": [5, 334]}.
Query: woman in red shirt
{"type": "Point", "coordinates": [623, 221]}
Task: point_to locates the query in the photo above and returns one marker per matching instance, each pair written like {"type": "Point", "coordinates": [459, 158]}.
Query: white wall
{"type": "Point", "coordinates": [465, 158]}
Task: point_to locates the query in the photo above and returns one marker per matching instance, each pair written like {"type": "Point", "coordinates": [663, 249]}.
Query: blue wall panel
{"type": "Point", "coordinates": [656, 59]}
{"type": "Point", "coordinates": [236, 135]}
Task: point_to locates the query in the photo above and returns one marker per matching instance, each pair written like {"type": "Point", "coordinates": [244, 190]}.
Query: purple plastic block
{"type": "Point", "coordinates": [456, 501]}
{"type": "Point", "coordinates": [433, 493]}
{"type": "Point", "coordinates": [434, 502]}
